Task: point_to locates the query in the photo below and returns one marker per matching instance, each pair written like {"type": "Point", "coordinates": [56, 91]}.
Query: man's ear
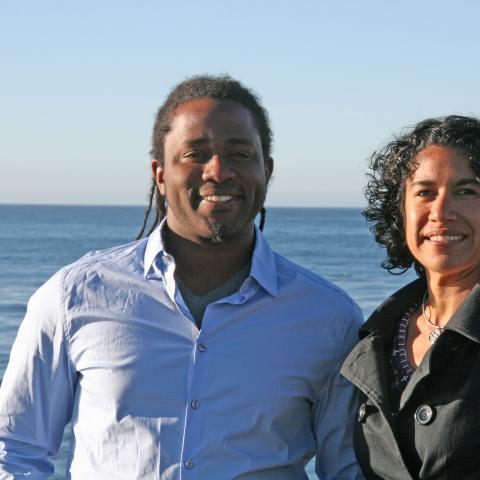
{"type": "Point", "coordinates": [268, 168]}
{"type": "Point", "coordinates": [157, 170]}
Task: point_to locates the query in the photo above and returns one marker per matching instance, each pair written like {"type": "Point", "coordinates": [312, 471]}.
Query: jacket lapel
{"type": "Point", "coordinates": [366, 365]}
{"type": "Point", "coordinates": [466, 319]}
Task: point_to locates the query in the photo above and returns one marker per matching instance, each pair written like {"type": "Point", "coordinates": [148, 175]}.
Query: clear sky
{"type": "Point", "coordinates": [80, 83]}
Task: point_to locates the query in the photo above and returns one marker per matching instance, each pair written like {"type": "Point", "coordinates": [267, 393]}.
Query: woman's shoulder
{"type": "Point", "coordinates": [393, 307]}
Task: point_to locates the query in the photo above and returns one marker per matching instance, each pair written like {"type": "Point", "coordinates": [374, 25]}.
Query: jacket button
{"type": "Point", "coordinates": [424, 414]}
{"type": "Point", "coordinates": [362, 412]}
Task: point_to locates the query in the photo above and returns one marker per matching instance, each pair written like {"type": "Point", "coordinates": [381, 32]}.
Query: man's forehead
{"type": "Point", "coordinates": [204, 117]}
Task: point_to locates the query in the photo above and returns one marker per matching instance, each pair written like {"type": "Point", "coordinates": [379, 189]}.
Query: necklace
{"type": "Point", "coordinates": [437, 329]}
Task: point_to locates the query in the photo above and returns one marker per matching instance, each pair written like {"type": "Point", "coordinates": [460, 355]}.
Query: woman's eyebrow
{"type": "Point", "coordinates": [462, 181]}
{"type": "Point", "coordinates": [422, 182]}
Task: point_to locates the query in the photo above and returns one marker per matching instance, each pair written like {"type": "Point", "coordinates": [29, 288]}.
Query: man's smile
{"type": "Point", "coordinates": [216, 203]}
{"type": "Point", "coordinates": [218, 198]}
{"type": "Point", "coordinates": [215, 197]}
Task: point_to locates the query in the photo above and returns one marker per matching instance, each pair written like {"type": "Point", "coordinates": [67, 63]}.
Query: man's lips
{"type": "Point", "coordinates": [218, 198]}
{"type": "Point", "coordinates": [215, 196]}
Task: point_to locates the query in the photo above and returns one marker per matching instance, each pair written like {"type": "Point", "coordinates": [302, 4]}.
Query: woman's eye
{"type": "Point", "coordinates": [195, 155]}
{"type": "Point", "coordinates": [425, 193]}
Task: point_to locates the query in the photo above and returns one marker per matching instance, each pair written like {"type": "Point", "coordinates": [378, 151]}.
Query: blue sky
{"type": "Point", "coordinates": [80, 83]}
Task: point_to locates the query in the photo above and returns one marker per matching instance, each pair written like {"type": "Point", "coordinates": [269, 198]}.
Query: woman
{"type": "Point", "coordinates": [417, 365]}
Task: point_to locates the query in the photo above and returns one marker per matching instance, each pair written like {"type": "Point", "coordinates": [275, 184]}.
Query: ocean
{"type": "Point", "coordinates": [35, 241]}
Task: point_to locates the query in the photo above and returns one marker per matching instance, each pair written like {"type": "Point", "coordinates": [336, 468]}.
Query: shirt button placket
{"type": "Point", "coordinates": [194, 405]}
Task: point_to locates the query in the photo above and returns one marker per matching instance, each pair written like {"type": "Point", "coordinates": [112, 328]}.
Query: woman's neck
{"type": "Point", "coordinates": [447, 293]}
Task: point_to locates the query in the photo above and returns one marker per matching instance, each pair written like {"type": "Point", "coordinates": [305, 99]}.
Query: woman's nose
{"type": "Point", "coordinates": [442, 208]}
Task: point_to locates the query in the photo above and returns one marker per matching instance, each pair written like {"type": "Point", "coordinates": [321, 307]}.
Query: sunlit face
{"type": "Point", "coordinates": [442, 212]}
{"type": "Point", "coordinates": [214, 175]}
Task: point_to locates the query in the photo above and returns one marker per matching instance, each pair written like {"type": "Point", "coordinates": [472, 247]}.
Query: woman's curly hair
{"type": "Point", "coordinates": [391, 166]}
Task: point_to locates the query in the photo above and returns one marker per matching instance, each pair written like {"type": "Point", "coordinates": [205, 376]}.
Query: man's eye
{"type": "Point", "coordinates": [240, 155]}
{"type": "Point", "coordinates": [467, 192]}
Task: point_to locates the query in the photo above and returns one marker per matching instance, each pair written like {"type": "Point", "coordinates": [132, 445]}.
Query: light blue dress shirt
{"type": "Point", "coordinates": [108, 343]}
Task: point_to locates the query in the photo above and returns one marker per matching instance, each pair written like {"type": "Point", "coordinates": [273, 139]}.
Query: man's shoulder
{"type": "Point", "coordinates": [122, 257]}
{"type": "Point", "coordinates": [333, 315]}
{"type": "Point", "coordinates": [127, 257]}
{"type": "Point", "coordinates": [313, 283]}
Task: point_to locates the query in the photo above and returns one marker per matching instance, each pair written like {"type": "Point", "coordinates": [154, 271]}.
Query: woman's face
{"type": "Point", "coordinates": [442, 213]}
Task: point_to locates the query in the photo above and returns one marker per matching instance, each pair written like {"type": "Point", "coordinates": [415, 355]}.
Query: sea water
{"type": "Point", "coordinates": [35, 241]}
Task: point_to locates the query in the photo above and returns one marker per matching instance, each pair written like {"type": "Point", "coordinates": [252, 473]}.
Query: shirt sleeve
{"type": "Point", "coordinates": [334, 413]}
{"type": "Point", "coordinates": [37, 391]}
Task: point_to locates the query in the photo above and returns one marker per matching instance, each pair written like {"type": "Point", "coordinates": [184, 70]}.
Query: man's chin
{"type": "Point", "coordinates": [217, 232]}
{"type": "Point", "coordinates": [214, 234]}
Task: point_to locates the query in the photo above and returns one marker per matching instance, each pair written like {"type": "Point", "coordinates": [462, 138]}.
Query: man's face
{"type": "Point", "coordinates": [214, 176]}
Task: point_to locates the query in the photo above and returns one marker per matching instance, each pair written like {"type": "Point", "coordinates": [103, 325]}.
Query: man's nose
{"type": "Point", "coordinates": [217, 169]}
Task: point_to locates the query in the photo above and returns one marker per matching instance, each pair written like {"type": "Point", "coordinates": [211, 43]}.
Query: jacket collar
{"type": "Point", "coordinates": [382, 320]}
{"type": "Point", "coordinates": [367, 372]}
{"type": "Point", "coordinates": [466, 319]}
{"type": "Point", "coordinates": [366, 365]}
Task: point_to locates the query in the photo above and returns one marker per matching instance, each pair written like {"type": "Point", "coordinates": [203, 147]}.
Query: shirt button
{"type": "Point", "coordinates": [424, 414]}
{"type": "Point", "coordinates": [202, 347]}
{"type": "Point", "coordinates": [195, 404]}
{"type": "Point", "coordinates": [189, 464]}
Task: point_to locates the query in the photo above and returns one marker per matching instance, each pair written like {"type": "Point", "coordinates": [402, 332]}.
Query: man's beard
{"type": "Point", "coordinates": [218, 232]}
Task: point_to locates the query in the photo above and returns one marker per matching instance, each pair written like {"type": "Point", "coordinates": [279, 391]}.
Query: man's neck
{"type": "Point", "coordinates": [204, 266]}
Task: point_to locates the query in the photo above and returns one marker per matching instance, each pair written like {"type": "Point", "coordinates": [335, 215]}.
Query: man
{"type": "Point", "coordinates": [194, 353]}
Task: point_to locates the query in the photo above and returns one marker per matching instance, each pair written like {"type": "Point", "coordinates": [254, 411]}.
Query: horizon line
{"type": "Point", "coordinates": [15, 204]}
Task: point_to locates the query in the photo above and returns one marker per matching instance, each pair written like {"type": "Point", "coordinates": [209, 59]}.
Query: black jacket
{"type": "Point", "coordinates": [433, 430]}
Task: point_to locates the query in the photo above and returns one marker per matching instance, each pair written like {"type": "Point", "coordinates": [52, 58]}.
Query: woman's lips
{"type": "Point", "coordinates": [444, 239]}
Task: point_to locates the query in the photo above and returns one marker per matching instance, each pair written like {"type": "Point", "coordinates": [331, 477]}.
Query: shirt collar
{"type": "Point", "coordinates": [264, 267]}
{"type": "Point", "coordinates": [154, 248]}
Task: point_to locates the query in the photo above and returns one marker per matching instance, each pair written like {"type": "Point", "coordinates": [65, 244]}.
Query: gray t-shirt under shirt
{"type": "Point", "coordinates": [197, 304]}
